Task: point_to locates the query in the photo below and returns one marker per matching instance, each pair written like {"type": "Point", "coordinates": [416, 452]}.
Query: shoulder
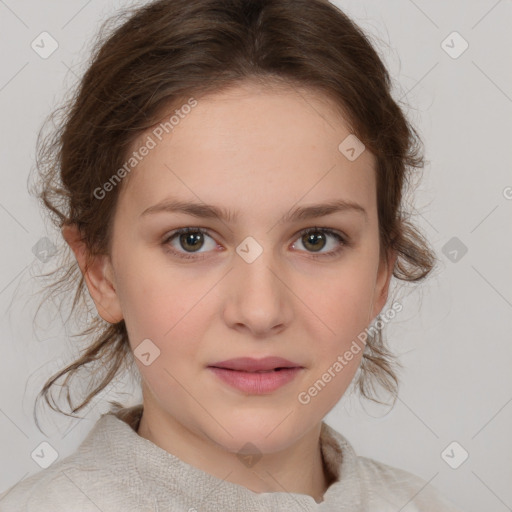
{"type": "Point", "coordinates": [52, 489]}
{"type": "Point", "coordinates": [72, 487]}
{"type": "Point", "coordinates": [88, 480]}
{"type": "Point", "coordinates": [397, 489]}
{"type": "Point", "coordinates": [68, 481]}
{"type": "Point", "coordinates": [379, 486]}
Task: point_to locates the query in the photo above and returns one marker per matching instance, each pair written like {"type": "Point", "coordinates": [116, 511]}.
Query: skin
{"type": "Point", "coordinates": [260, 152]}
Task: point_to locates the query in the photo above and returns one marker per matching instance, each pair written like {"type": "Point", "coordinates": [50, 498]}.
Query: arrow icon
{"type": "Point", "coordinates": [454, 249]}
{"type": "Point", "coordinates": [146, 352]}
{"type": "Point", "coordinates": [454, 45]}
{"type": "Point", "coordinates": [44, 454]}
{"type": "Point", "coordinates": [249, 249]}
{"type": "Point", "coordinates": [249, 459]}
{"type": "Point", "coordinates": [454, 455]}
{"type": "Point", "coordinates": [351, 147]}
{"type": "Point", "coordinates": [44, 45]}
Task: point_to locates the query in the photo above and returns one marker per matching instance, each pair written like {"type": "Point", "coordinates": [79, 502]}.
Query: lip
{"type": "Point", "coordinates": [250, 364]}
{"type": "Point", "coordinates": [256, 376]}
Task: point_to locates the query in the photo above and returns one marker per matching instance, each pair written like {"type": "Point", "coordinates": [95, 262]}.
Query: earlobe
{"type": "Point", "coordinates": [98, 274]}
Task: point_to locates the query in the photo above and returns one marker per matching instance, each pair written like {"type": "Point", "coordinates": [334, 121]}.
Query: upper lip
{"type": "Point", "coordinates": [250, 364]}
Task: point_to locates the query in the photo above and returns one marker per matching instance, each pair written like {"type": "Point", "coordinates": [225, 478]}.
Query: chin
{"type": "Point", "coordinates": [269, 433]}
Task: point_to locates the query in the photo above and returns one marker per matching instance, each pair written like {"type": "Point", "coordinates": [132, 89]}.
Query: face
{"type": "Point", "coordinates": [251, 283]}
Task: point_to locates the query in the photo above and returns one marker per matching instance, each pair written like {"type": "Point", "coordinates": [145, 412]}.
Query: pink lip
{"type": "Point", "coordinates": [249, 364]}
{"type": "Point", "coordinates": [256, 376]}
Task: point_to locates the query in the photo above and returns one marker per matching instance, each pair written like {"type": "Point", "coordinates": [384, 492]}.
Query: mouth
{"type": "Point", "coordinates": [255, 371]}
{"type": "Point", "coordinates": [251, 365]}
{"type": "Point", "coordinates": [256, 376]}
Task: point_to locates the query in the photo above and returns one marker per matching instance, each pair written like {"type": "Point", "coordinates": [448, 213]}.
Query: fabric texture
{"type": "Point", "coordinates": [116, 470]}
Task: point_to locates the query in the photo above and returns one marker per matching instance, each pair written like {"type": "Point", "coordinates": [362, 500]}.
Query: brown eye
{"type": "Point", "coordinates": [190, 241]}
{"type": "Point", "coordinates": [316, 239]}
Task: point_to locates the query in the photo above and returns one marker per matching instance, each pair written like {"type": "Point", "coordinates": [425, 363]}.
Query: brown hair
{"type": "Point", "coordinates": [170, 50]}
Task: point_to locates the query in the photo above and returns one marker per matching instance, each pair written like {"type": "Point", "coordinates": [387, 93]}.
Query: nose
{"type": "Point", "coordinates": [258, 296]}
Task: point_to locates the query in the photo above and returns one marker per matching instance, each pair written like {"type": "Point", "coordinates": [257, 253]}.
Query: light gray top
{"type": "Point", "coordinates": [116, 470]}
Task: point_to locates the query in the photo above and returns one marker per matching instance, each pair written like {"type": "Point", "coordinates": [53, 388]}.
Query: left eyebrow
{"type": "Point", "coordinates": [321, 210]}
{"type": "Point", "coordinates": [203, 210]}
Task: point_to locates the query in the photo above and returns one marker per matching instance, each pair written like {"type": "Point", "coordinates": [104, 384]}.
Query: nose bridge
{"type": "Point", "coordinates": [254, 267]}
{"type": "Point", "coordinates": [257, 295]}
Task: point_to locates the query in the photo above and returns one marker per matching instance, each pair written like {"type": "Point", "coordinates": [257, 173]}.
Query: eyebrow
{"type": "Point", "coordinates": [207, 211]}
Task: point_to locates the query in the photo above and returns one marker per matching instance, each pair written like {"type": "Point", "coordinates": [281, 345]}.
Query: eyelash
{"type": "Point", "coordinates": [343, 241]}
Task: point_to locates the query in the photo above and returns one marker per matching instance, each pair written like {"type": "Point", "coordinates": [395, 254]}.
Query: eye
{"type": "Point", "coordinates": [187, 242]}
{"type": "Point", "coordinates": [190, 239]}
{"type": "Point", "coordinates": [315, 239]}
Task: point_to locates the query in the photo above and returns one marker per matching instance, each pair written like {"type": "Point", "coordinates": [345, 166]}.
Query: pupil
{"type": "Point", "coordinates": [312, 238]}
{"type": "Point", "coordinates": [191, 239]}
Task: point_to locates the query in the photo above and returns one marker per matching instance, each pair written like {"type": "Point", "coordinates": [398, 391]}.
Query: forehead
{"type": "Point", "coordinates": [272, 144]}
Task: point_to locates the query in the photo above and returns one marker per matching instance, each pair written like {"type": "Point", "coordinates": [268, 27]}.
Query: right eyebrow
{"type": "Point", "coordinates": [201, 210]}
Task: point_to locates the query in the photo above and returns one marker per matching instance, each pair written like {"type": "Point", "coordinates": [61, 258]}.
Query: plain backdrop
{"type": "Point", "coordinates": [453, 335]}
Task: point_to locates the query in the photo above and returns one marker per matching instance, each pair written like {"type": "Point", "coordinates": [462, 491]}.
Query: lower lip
{"type": "Point", "coordinates": [256, 383]}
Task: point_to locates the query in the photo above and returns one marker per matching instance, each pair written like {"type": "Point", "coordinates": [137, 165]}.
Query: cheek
{"type": "Point", "coordinates": [176, 327]}
{"type": "Point", "coordinates": [165, 313]}
{"type": "Point", "coordinates": [344, 309]}
{"type": "Point", "coordinates": [340, 304]}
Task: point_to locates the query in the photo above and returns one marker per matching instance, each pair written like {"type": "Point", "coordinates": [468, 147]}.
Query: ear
{"type": "Point", "coordinates": [383, 279]}
{"type": "Point", "coordinates": [99, 276]}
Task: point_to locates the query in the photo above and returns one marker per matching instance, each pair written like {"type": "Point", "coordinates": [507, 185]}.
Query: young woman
{"type": "Point", "coordinates": [229, 177]}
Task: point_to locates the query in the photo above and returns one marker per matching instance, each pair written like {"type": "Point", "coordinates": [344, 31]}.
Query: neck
{"type": "Point", "coordinates": [297, 469]}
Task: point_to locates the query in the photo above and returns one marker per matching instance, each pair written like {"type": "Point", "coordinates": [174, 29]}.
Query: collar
{"type": "Point", "coordinates": [162, 473]}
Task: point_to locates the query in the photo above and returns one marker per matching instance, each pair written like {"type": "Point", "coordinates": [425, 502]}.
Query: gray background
{"type": "Point", "coordinates": [453, 335]}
